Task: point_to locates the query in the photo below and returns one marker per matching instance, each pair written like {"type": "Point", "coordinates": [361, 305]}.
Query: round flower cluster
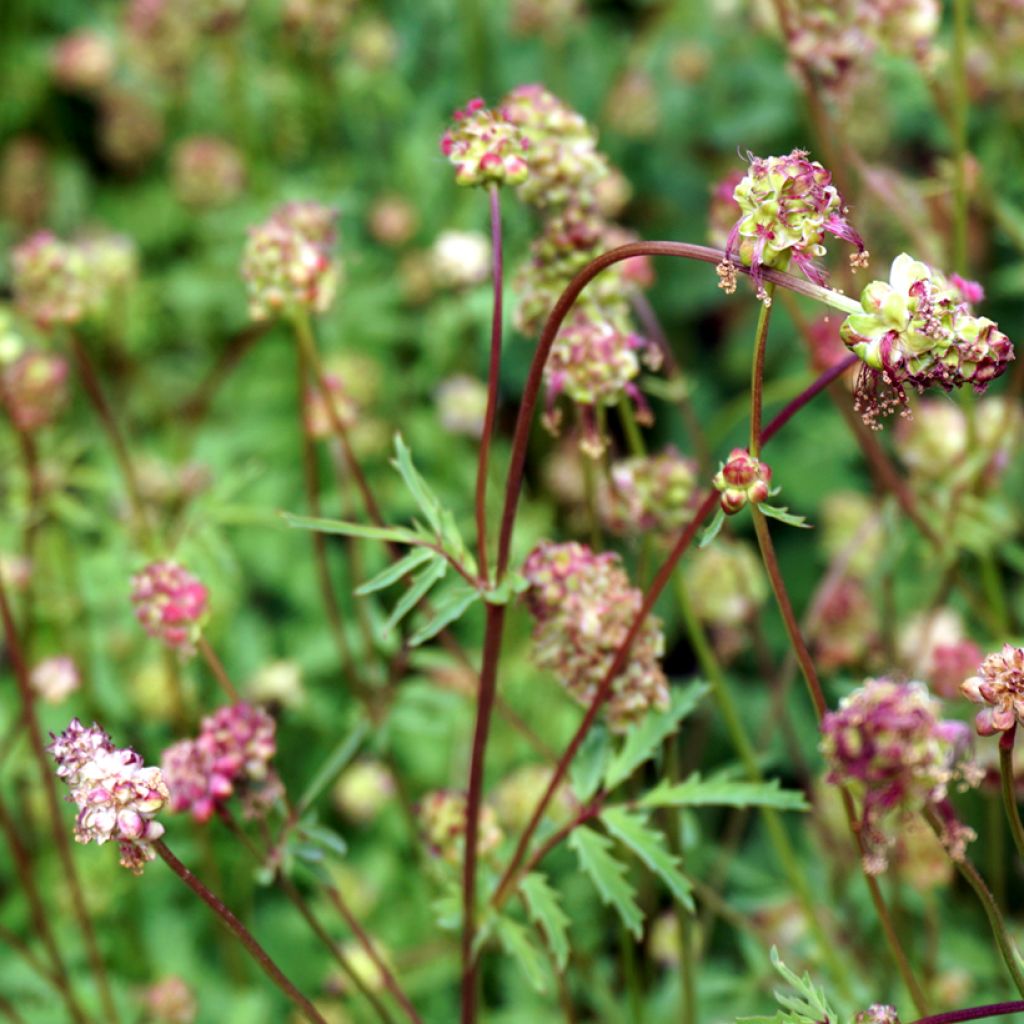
{"type": "Point", "coordinates": [83, 62]}
{"type": "Point", "coordinates": [232, 753]}
{"type": "Point", "coordinates": [207, 171]}
{"type": "Point", "coordinates": [485, 147]}
{"type": "Point", "coordinates": [55, 678]}
{"type": "Point", "coordinates": [999, 685]}
{"type": "Point", "coordinates": [742, 479]}
{"type": "Point", "coordinates": [846, 624]}
{"type": "Point", "coordinates": [442, 817]}
{"type": "Point", "coordinates": [649, 493]}
{"type": "Point", "coordinates": [887, 740]}
{"type": "Point", "coordinates": [584, 606]}
{"type": "Point", "coordinates": [317, 415]}
{"type": "Point", "coordinates": [288, 265]}
{"type": "Point", "coordinates": [917, 330]}
{"type": "Point", "coordinates": [34, 389]}
{"type": "Point", "coordinates": [787, 205]}
{"type": "Point", "coordinates": [116, 794]}
{"type": "Point", "coordinates": [460, 259]}
{"type": "Point", "coordinates": [462, 404]}
{"type": "Point", "coordinates": [170, 603]}
{"type": "Point", "coordinates": [725, 583]}
{"type": "Point", "coordinates": [878, 1013]}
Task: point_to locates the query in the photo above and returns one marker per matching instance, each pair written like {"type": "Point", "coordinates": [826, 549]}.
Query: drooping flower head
{"type": "Point", "coordinates": [999, 685]}
{"type": "Point", "coordinates": [787, 206]}
{"type": "Point", "coordinates": [34, 389]}
{"type": "Point", "coordinates": [886, 739]}
{"type": "Point", "coordinates": [116, 794]}
{"type": "Point", "coordinates": [170, 603]}
{"type": "Point", "coordinates": [485, 147]}
{"type": "Point", "coordinates": [742, 479]}
{"type": "Point", "coordinates": [584, 606]}
{"type": "Point", "coordinates": [442, 816]}
{"type": "Point", "coordinates": [288, 264]}
{"type": "Point", "coordinates": [649, 493]}
{"type": "Point", "coordinates": [231, 754]}
{"type": "Point", "coordinates": [917, 330]}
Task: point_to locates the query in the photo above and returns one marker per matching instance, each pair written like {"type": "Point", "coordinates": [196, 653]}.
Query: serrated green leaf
{"type": "Point", "coordinates": [712, 530]}
{"type": "Point", "coordinates": [395, 534]}
{"type": "Point", "coordinates": [447, 610]}
{"type": "Point", "coordinates": [632, 830]}
{"type": "Point", "coordinates": [783, 515]}
{"type": "Point", "coordinates": [809, 1006]}
{"type": "Point", "coordinates": [608, 876]}
{"type": "Point", "coordinates": [424, 497]}
{"type": "Point", "coordinates": [643, 741]}
{"type": "Point", "coordinates": [394, 572]}
{"type": "Point", "coordinates": [333, 766]}
{"type": "Point", "coordinates": [588, 766]}
{"type": "Point", "coordinates": [542, 904]}
{"type": "Point", "coordinates": [697, 792]}
{"type": "Point", "coordinates": [516, 942]}
{"type": "Point", "coordinates": [421, 586]}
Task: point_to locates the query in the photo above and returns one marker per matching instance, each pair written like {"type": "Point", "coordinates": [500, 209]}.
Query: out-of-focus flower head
{"type": "Point", "coordinates": [916, 331]}
{"type": "Point", "coordinates": [50, 280]}
{"type": "Point", "coordinates": [485, 147]}
{"type": "Point", "coordinates": [887, 741]}
{"type": "Point", "coordinates": [516, 796]}
{"type": "Point", "coordinates": [363, 789]}
{"type": "Point", "coordinates": [231, 754]}
{"type": "Point", "coordinates": [461, 258]}
{"type": "Point", "coordinates": [117, 796]}
{"type": "Point", "coordinates": [852, 531]}
{"type": "Point", "coordinates": [131, 129]}
{"type": "Point", "coordinates": [55, 678]}
{"type": "Point", "coordinates": [207, 171]}
{"type": "Point", "coordinates": [316, 414]}
{"type": "Point", "coordinates": [649, 493]}
{"type": "Point", "coordinates": [442, 816]}
{"type": "Point", "coordinates": [999, 685]}
{"type": "Point", "coordinates": [170, 1001]}
{"type": "Point", "coordinates": [878, 1013]}
{"type": "Point", "coordinates": [320, 22]}
{"type": "Point", "coordinates": [170, 604]}
{"type": "Point", "coordinates": [83, 61]}
{"type": "Point", "coordinates": [549, 18]}
{"type": "Point", "coordinates": [933, 646]}
{"type": "Point", "coordinates": [787, 206]}
{"type": "Point", "coordinates": [34, 389]}
{"type": "Point", "coordinates": [742, 479]}
{"type": "Point", "coordinates": [24, 181]}
{"type": "Point", "coordinates": [462, 404]}
{"type": "Point", "coordinates": [577, 637]}
{"type": "Point", "coordinates": [279, 682]}
{"type": "Point", "coordinates": [632, 104]}
{"type": "Point", "coordinates": [393, 220]}
{"type": "Point", "coordinates": [845, 625]}
{"type": "Point", "coordinates": [725, 583]}
{"type": "Point", "coordinates": [288, 264]}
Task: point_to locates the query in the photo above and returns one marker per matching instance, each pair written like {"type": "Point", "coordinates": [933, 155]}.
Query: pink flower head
{"type": "Point", "coordinates": [649, 493]}
{"type": "Point", "coordinates": [34, 389]}
{"type": "Point", "coordinates": [485, 147]}
{"type": "Point", "coordinates": [116, 794]}
{"type": "Point", "coordinates": [742, 479]}
{"type": "Point", "coordinates": [231, 754]}
{"type": "Point", "coordinates": [999, 685]}
{"type": "Point", "coordinates": [170, 603]}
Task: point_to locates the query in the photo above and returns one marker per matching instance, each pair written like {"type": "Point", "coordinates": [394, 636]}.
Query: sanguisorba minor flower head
{"type": "Point", "coordinates": [231, 754]}
{"type": "Point", "coordinates": [116, 794]}
{"type": "Point", "coordinates": [886, 740]}
{"type": "Point", "coordinates": [485, 147]}
{"type": "Point", "coordinates": [170, 603]}
{"type": "Point", "coordinates": [649, 493]}
{"type": "Point", "coordinates": [999, 685]}
{"type": "Point", "coordinates": [34, 388]}
{"type": "Point", "coordinates": [583, 606]}
{"type": "Point", "coordinates": [917, 330]}
{"type": "Point", "coordinates": [787, 206]}
{"type": "Point", "coordinates": [289, 266]}
{"type": "Point", "coordinates": [442, 816]}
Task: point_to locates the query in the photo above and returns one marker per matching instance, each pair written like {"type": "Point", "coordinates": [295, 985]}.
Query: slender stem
{"type": "Point", "coordinates": [973, 1013]}
{"type": "Point", "coordinates": [484, 707]}
{"type": "Point", "coordinates": [634, 438]}
{"type": "Point", "coordinates": [255, 950]}
{"type": "Point", "coordinates": [493, 373]}
{"type": "Point", "coordinates": [687, 972]}
{"type": "Point", "coordinates": [21, 675]}
{"type": "Point", "coordinates": [216, 666]}
{"type": "Point", "coordinates": [961, 102]}
{"type": "Point", "coordinates": [1009, 789]}
{"type": "Point", "coordinates": [757, 369]}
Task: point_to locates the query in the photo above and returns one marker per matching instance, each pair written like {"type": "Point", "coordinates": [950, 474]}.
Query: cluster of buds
{"type": "Point", "coordinates": [231, 754]}
{"type": "Point", "coordinates": [886, 739]}
{"type": "Point", "coordinates": [787, 205]}
{"type": "Point", "coordinates": [595, 364]}
{"type": "Point", "coordinates": [584, 607]}
{"type": "Point", "coordinates": [999, 685]}
{"type": "Point", "coordinates": [207, 171]}
{"type": "Point", "coordinates": [742, 479]}
{"type": "Point", "coordinates": [917, 330]}
{"type": "Point", "coordinates": [485, 147]}
{"type": "Point", "coordinates": [442, 816]}
{"type": "Point", "coordinates": [59, 282]}
{"type": "Point", "coordinates": [34, 389]}
{"type": "Point", "coordinates": [288, 266]}
{"type": "Point", "coordinates": [648, 493]}
{"type": "Point", "coordinates": [54, 679]}
{"type": "Point", "coordinates": [116, 794]}
{"type": "Point", "coordinates": [170, 603]}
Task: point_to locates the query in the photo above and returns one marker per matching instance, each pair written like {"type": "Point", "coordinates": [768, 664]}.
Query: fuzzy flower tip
{"type": "Point", "coordinates": [787, 206]}
{"type": "Point", "coordinates": [288, 266]}
{"type": "Point", "coordinates": [170, 603]}
{"type": "Point", "coordinates": [917, 330]}
{"type": "Point", "coordinates": [742, 479]}
{"type": "Point", "coordinates": [584, 606]}
{"type": "Point", "coordinates": [1000, 686]}
{"type": "Point", "coordinates": [231, 754]}
{"type": "Point", "coordinates": [116, 794]}
{"type": "Point", "coordinates": [485, 147]}
{"type": "Point", "coordinates": [887, 740]}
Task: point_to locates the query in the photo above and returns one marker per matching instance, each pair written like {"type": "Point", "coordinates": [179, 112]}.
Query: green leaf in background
{"type": "Point", "coordinates": [517, 943]}
{"type": "Point", "coordinates": [643, 741]}
{"type": "Point", "coordinates": [426, 500]}
{"type": "Point", "coordinates": [697, 792]}
{"type": "Point", "coordinates": [809, 1006]}
{"type": "Point", "coordinates": [333, 766]}
{"type": "Point", "coordinates": [633, 831]}
{"type": "Point", "coordinates": [448, 609]}
{"type": "Point", "coordinates": [393, 534]}
{"type": "Point", "coordinates": [394, 572]}
{"type": "Point", "coordinates": [608, 876]}
{"type": "Point", "coordinates": [422, 584]}
{"type": "Point", "coordinates": [545, 910]}
{"type": "Point", "coordinates": [589, 765]}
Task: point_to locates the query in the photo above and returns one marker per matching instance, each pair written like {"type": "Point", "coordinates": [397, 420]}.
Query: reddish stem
{"type": "Point", "coordinates": [216, 666]}
{"type": "Point", "coordinates": [973, 1013]}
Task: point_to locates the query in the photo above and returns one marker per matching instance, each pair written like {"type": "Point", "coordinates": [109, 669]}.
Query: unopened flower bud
{"type": "Point", "coordinates": [742, 479]}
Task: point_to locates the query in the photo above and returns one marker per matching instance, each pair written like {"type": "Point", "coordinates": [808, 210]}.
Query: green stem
{"type": "Point", "coordinates": [1008, 788]}
{"type": "Point", "coordinates": [757, 369]}
{"type": "Point", "coordinates": [960, 112]}
{"type": "Point", "coordinates": [630, 427]}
